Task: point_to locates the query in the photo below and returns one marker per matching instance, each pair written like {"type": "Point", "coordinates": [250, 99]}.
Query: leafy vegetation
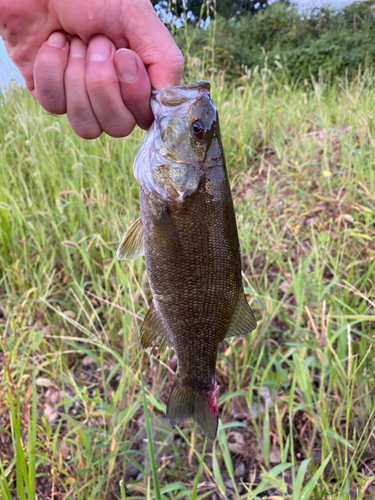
{"type": "Point", "coordinates": [224, 8]}
{"type": "Point", "coordinates": [333, 43]}
{"type": "Point", "coordinates": [80, 403]}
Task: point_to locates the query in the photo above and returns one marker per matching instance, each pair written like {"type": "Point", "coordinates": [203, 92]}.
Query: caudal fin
{"type": "Point", "coordinates": [184, 403]}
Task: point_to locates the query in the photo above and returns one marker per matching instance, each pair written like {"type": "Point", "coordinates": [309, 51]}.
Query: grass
{"type": "Point", "coordinates": [82, 409]}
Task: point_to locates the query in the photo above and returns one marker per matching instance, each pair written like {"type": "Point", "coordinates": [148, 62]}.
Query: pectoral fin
{"type": "Point", "coordinates": [242, 321]}
{"type": "Point", "coordinates": [152, 330]}
{"type": "Point", "coordinates": [131, 245]}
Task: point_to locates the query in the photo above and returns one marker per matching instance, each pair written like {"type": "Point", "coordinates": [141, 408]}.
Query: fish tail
{"type": "Point", "coordinates": [184, 403]}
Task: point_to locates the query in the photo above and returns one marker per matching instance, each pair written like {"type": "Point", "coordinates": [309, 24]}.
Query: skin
{"type": "Point", "coordinates": [95, 61]}
{"type": "Point", "coordinates": [192, 254]}
{"type": "Point", "coordinates": [191, 247]}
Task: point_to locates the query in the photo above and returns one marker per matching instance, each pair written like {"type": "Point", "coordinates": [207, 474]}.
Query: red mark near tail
{"type": "Point", "coordinates": [212, 402]}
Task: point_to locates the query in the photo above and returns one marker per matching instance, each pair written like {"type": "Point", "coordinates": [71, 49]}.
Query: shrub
{"type": "Point", "coordinates": [333, 42]}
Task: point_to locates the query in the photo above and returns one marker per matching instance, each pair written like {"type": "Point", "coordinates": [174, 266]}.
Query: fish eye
{"type": "Point", "coordinates": [198, 129]}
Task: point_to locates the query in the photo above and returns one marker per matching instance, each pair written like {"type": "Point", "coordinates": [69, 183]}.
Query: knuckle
{"type": "Point", "coordinates": [174, 66]}
{"type": "Point", "coordinates": [120, 130]}
{"type": "Point", "coordinates": [49, 59]}
{"type": "Point", "coordinates": [44, 58]}
{"type": "Point", "coordinates": [84, 123]}
{"type": "Point", "coordinates": [87, 133]}
{"type": "Point", "coordinates": [177, 62]}
{"type": "Point", "coordinates": [99, 82]}
{"type": "Point", "coordinates": [52, 102]}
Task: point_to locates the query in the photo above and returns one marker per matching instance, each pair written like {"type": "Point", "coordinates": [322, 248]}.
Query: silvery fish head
{"type": "Point", "coordinates": [168, 165]}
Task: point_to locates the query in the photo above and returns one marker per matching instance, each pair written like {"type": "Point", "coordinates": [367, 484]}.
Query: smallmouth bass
{"type": "Point", "coordinates": [188, 235]}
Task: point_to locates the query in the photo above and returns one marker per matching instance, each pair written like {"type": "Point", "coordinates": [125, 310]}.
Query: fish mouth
{"type": "Point", "coordinates": [202, 84]}
{"type": "Point", "coordinates": [179, 94]}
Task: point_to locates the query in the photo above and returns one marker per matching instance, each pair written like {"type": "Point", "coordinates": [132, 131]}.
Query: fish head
{"type": "Point", "coordinates": [185, 119]}
{"type": "Point", "coordinates": [169, 164]}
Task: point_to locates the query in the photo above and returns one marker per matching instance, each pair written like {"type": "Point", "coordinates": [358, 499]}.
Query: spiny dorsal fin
{"type": "Point", "coordinates": [153, 331]}
{"type": "Point", "coordinates": [242, 321]}
{"type": "Point", "coordinates": [131, 245]}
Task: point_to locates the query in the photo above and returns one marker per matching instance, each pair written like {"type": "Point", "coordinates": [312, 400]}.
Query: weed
{"type": "Point", "coordinates": [296, 396]}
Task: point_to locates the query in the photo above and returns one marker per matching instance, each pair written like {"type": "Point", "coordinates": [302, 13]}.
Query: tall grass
{"type": "Point", "coordinates": [296, 396]}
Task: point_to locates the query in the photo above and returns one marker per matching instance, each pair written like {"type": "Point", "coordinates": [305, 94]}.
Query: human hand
{"type": "Point", "coordinates": [89, 59]}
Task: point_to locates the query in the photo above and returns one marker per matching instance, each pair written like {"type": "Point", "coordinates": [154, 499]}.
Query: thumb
{"type": "Point", "coordinates": [151, 40]}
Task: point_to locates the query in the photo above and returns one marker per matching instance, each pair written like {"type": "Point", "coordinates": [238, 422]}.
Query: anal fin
{"type": "Point", "coordinates": [131, 246]}
{"type": "Point", "coordinates": [152, 330]}
{"type": "Point", "coordinates": [242, 321]}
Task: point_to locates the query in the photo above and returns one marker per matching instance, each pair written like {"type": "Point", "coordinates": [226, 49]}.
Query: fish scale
{"type": "Point", "coordinates": [188, 235]}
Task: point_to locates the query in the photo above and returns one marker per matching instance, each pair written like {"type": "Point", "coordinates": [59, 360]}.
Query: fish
{"type": "Point", "coordinates": [188, 236]}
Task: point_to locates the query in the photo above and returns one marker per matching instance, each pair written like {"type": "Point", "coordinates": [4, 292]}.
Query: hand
{"type": "Point", "coordinates": [89, 59]}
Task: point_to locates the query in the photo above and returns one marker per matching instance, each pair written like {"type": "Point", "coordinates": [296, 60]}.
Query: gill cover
{"type": "Point", "coordinates": [168, 164]}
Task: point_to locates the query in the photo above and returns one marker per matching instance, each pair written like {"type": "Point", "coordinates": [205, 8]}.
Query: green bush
{"type": "Point", "coordinates": [332, 42]}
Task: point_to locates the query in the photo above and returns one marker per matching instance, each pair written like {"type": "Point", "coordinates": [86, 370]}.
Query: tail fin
{"type": "Point", "coordinates": [184, 403]}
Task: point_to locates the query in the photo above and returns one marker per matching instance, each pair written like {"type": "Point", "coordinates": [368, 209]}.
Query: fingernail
{"type": "Point", "coordinates": [99, 49]}
{"type": "Point", "coordinates": [77, 49]}
{"type": "Point", "coordinates": [57, 39]}
{"type": "Point", "coordinates": [126, 65]}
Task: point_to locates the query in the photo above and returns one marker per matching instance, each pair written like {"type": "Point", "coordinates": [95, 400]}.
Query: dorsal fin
{"type": "Point", "coordinates": [131, 246]}
{"type": "Point", "coordinates": [152, 330]}
{"type": "Point", "coordinates": [242, 321]}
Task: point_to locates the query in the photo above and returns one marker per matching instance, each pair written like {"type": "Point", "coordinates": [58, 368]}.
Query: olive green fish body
{"type": "Point", "coordinates": [188, 235]}
{"type": "Point", "coordinates": [196, 282]}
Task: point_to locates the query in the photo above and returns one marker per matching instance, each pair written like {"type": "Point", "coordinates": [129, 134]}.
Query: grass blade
{"type": "Point", "coordinates": [149, 442]}
{"type": "Point", "coordinates": [5, 493]}
{"type": "Point", "coordinates": [226, 455]}
{"type": "Point", "coordinates": [195, 489]}
{"type": "Point", "coordinates": [32, 439]}
{"type": "Point", "coordinates": [216, 470]}
{"type": "Point", "coordinates": [173, 487]}
{"type": "Point", "coordinates": [299, 479]}
{"type": "Point", "coordinates": [308, 489]}
{"type": "Point", "coordinates": [122, 490]}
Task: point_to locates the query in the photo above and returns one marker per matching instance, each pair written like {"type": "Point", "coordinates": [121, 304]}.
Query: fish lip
{"type": "Point", "coordinates": [179, 94]}
{"type": "Point", "coordinates": [202, 84]}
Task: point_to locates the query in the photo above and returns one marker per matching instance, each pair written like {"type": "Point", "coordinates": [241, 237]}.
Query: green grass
{"type": "Point", "coordinates": [80, 404]}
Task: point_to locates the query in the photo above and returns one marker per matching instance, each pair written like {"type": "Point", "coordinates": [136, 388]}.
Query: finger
{"type": "Point", "coordinates": [135, 86]}
{"type": "Point", "coordinates": [151, 40]}
{"type": "Point", "coordinates": [24, 26]}
{"type": "Point", "coordinates": [49, 68]}
{"type": "Point", "coordinates": [103, 88]}
{"type": "Point", "coordinates": [78, 107]}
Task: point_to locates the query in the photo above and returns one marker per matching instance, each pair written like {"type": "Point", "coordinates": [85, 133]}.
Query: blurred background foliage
{"type": "Point", "coordinates": [224, 8]}
{"type": "Point", "coordinates": [242, 37]}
